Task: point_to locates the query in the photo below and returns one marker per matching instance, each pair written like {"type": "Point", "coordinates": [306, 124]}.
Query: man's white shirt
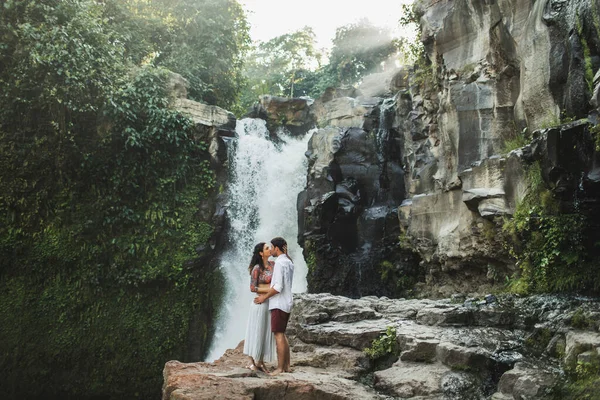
{"type": "Point", "coordinates": [283, 275]}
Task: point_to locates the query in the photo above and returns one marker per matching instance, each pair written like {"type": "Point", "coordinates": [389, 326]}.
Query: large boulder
{"type": "Point", "coordinates": [291, 113]}
{"type": "Point", "coordinates": [347, 213]}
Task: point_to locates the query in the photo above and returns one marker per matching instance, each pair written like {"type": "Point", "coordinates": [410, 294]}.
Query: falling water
{"type": "Point", "coordinates": [265, 181]}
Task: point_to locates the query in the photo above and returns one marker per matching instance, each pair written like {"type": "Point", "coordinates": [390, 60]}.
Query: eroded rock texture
{"type": "Point", "coordinates": [432, 144]}
{"type": "Point", "coordinates": [457, 349]}
{"type": "Point", "coordinates": [500, 67]}
{"type": "Point", "coordinates": [347, 214]}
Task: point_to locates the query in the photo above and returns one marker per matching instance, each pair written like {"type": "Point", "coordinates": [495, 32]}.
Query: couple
{"type": "Point", "coordinates": [270, 310]}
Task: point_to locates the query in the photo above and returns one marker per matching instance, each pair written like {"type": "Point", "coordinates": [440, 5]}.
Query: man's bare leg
{"type": "Point", "coordinates": [286, 365]}
{"type": "Point", "coordinates": [280, 342]}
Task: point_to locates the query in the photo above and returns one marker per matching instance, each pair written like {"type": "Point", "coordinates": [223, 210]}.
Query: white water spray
{"type": "Point", "coordinates": [265, 182]}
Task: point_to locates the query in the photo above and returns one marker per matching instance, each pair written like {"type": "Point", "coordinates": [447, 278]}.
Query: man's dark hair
{"type": "Point", "coordinates": [282, 244]}
{"type": "Point", "coordinates": [279, 242]}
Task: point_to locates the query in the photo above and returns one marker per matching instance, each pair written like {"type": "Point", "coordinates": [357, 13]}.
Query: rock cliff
{"type": "Point", "coordinates": [432, 145]}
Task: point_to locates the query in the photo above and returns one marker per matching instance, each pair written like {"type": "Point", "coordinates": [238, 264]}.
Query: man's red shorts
{"type": "Point", "coordinates": [279, 320]}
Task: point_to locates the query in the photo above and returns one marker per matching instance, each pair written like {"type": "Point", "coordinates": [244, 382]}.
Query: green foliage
{"type": "Point", "coordinates": [583, 381]}
{"type": "Point", "coordinates": [580, 320]}
{"type": "Point", "coordinates": [211, 38]}
{"type": "Point", "coordinates": [547, 244]}
{"type": "Point", "coordinates": [66, 338]}
{"type": "Point", "coordinates": [586, 370]}
{"type": "Point", "coordinates": [596, 18]}
{"type": "Point", "coordinates": [384, 345]}
{"type": "Point", "coordinates": [595, 131]}
{"type": "Point", "coordinates": [203, 40]}
{"type": "Point", "coordinates": [587, 55]}
{"type": "Point", "coordinates": [100, 183]}
{"type": "Point", "coordinates": [394, 279]}
{"type": "Point", "coordinates": [359, 49]}
{"type": "Point", "coordinates": [386, 268]}
{"type": "Point", "coordinates": [276, 67]}
{"type": "Point", "coordinates": [424, 74]}
{"type": "Point", "coordinates": [405, 242]}
{"type": "Point", "coordinates": [587, 389]}
{"type": "Point", "coordinates": [516, 141]}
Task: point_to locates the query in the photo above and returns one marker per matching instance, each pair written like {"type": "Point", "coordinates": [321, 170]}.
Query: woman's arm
{"type": "Point", "coordinates": [254, 280]}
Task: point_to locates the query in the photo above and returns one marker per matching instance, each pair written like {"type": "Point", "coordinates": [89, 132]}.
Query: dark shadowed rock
{"type": "Point", "coordinates": [293, 114]}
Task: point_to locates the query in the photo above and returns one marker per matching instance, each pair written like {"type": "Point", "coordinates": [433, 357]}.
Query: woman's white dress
{"type": "Point", "coordinates": [259, 342]}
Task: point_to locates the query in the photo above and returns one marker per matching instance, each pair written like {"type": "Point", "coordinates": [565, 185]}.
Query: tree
{"type": "Point", "coordinates": [210, 41]}
{"type": "Point", "coordinates": [100, 183]}
{"type": "Point", "coordinates": [359, 49]}
{"type": "Point", "coordinates": [203, 40]}
{"type": "Point", "coordinates": [278, 66]}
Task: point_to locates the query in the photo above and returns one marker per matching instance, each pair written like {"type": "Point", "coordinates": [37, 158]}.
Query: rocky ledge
{"type": "Point", "coordinates": [458, 348]}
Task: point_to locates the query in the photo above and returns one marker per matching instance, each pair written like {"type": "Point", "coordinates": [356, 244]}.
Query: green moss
{"type": "Point", "coordinates": [595, 132]}
{"type": "Point", "coordinates": [405, 242]}
{"type": "Point", "coordinates": [560, 350]}
{"type": "Point", "coordinates": [386, 269]}
{"type": "Point", "coordinates": [580, 320]}
{"type": "Point", "coordinates": [310, 257]}
{"type": "Point", "coordinates": [595, 18]}
{"type": "Point", "coordinates": [548, 245]}
{"type": "Point", "coordinates": [538, 341]}
{"type": "Point", "coordinates": [587, 55]}
{"type": "Point", "coordinates": [461, 367]}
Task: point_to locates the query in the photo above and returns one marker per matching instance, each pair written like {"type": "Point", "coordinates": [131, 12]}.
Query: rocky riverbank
{"type": "Point", "coordinates": [498, 348]}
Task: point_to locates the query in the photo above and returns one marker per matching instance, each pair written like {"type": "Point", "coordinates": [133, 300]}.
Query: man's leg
{"type": "Point", "coordinates": [280, 341]}
{"type": "Point", "coordinates": [286, 365]}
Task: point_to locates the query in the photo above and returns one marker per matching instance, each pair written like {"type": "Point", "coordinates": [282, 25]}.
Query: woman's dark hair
{"type": "Point", "coordinates": [256, 257]}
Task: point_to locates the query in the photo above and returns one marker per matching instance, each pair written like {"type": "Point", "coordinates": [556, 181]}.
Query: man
{"type": "Point", "coordinates": [280, 301]}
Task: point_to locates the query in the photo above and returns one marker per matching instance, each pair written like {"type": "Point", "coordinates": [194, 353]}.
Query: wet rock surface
{"type": "Point", "coordinates": [464, 355]}
{"type": "Point", "coordinates": [291, 114]}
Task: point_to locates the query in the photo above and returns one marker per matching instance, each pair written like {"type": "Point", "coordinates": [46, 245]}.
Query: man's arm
{"type": "Point", "coordinates": [262, 298]}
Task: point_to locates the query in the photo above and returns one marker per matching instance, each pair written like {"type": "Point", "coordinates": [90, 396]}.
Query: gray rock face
{"type": "Point", "coordinates": [499, 67]}
{"type": "Point", "coordinates": [459, 359]}
{"type": "Point", "coordinates": [347, 213]}
{"type": "Point", "coordinates": [431, 144]}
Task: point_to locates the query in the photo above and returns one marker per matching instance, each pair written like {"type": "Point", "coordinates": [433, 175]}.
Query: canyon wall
{"type": "Point", "coordinates": [430, 145]}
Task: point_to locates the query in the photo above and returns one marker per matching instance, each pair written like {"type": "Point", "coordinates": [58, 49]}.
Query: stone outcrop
{"type": "Point", "coordinates": [445, 349]}
{"type": "Point", "coordinates": [347, 213]}
{"type": "Point", "coordinates": [213, 124]}
{"type": "Point", "coordinates": [291, 114]}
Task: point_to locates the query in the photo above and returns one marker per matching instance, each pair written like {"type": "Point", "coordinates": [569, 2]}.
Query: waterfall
{"type": "Point", "coordinates": [265, 179]}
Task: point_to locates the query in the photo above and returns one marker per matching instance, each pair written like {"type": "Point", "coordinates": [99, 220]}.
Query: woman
{"type": "Point", "coordinates": [259, 343]}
